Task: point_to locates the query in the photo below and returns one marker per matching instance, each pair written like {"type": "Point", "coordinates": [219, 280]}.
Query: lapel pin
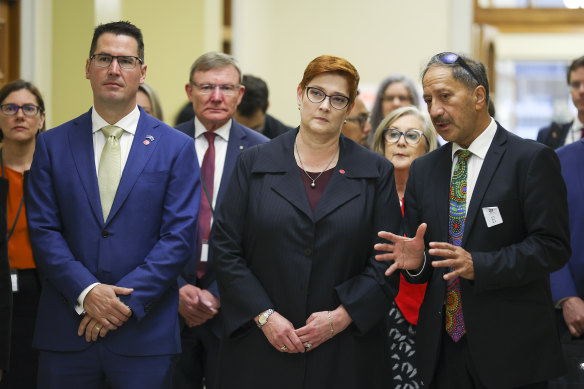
{"type": "Point", "coordinates": [149, 138]}
{"type": "Point", "coordinates": [342, 171]}
{"type": "Point", "coordinates": [241, 147]}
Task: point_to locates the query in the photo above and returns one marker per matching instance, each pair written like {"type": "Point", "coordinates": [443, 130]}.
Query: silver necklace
{"type": "Point", "coordinates": [313, 184]}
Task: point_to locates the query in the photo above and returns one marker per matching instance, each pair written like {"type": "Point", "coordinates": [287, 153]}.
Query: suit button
{"type": "Point", "coordinates": [308, 252]}
{"type": "Point", "coordinates": [105, 234]}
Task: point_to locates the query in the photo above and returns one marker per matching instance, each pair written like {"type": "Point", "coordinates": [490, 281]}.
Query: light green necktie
{"type": "Point", "coordinates": [110, 168]}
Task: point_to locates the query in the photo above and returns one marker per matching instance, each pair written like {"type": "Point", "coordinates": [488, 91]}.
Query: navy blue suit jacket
{"type": "Point", "coordinates": [508, 311]}
{"type": "Point", "coordinates": [569, 281]}
{"type": "Point", "coordinates": [240, 138]}
{"type": "Point", "coordinates": [144, 243]}
{"type": "Point", "coordinates": [554, 135]}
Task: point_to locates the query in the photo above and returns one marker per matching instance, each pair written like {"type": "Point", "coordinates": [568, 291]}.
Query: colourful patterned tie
{"type": "Point", "coordinates": [205, 211]}
{"type": "Point", "coordinates": [457, 215]}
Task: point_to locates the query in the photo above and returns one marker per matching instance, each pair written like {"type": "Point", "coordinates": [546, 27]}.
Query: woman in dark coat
{"type": "Point", "coordinates": [294, 252]}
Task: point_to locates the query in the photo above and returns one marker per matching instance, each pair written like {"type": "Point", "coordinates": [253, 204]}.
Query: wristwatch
{"type": "Point", "coordinates": [263, 317]}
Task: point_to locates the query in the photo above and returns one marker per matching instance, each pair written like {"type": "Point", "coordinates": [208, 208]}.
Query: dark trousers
{"type": "Point", "coordinates": [456, 369]}
{"type": "Point", "coordinates": [93, 367]}
{"type": "Point", "coordinates": [198, 363]}
{"type": "Point", "coordinates": [22, 371]}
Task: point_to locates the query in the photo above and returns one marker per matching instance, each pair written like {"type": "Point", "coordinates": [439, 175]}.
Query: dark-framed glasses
{"type": "Point", "coordinates": [317, 95]}
{"type": "Point", "coordinates": [575, 85]}
{"type": "Point", "coordinates": [29, 110]}
{"type": "Point", "coordinates": [206, 89]}
{"type": "Point", "coordinates": [125, 61]}
{"type": "Point", "coordinates": [453, 58]}
{"type": "Point", "coordinates": [361, 120]}
{"type": "Point", "coordinates": [411, 136]}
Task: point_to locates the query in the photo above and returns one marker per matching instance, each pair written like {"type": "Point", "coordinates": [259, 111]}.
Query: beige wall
{"type": "Point", "coordinates": [175, 34]}
{"type": "Point", "coordinates": [275, 40]}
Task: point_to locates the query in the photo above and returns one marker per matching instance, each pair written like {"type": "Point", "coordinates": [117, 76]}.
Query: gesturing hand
{"type": "Point", "coordinates": [102, 304]}
{"type": "Point", "coordinates": [280, 333]}
{"type": "Point", "coordinates": [406, 253]}
{"type": "Point", "coordinates": [455, 257]}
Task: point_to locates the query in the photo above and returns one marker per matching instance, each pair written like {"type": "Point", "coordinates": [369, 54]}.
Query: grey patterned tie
{"type": "Point", "coordinates": [110, 168]}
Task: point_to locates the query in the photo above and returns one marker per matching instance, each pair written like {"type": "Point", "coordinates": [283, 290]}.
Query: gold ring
{"type": "Point", "coordinates": [284, 348]}
{"type": "Point", "coordinates": [98, 328]}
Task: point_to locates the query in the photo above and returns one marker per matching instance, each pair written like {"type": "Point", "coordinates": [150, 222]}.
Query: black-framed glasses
{"type": "Point", "coordinates": [411, 136]}
{"type": "Point", "coordinates": [361, 120]}
{"type": "Point", "coordinates": [453, 58]}
{"type": "Point", "coordinates": [29, 110]}
{"type": "Point", "coordinates": [317, 95]}
{"type": "Point", "coordinates": [126, 62]}
{"type": "Point", "coordinates": [206, 89]}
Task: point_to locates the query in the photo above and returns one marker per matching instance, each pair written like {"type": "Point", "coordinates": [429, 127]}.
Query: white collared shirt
{"type": "Point", "coordinates": [574, 132]}
{"type": "Point", "coordinates": [221, 141]}
{"type": "Point", "coordinates": [128, 123]}
{"type": "Point", "coordinates": [478, 148]}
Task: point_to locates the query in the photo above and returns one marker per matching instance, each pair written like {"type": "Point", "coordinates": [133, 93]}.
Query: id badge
{"type": "Point", "coordinates": [204, 251]}
{"type": "Point", "coordinates": [14, 280]}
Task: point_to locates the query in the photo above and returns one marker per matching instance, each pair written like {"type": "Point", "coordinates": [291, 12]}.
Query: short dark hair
{"type": "Point", "coordinates": [459, 73]}
{"type": "Point", "coordinates": [577, 63]}
{"type": "Point", "coordinates": [255, 96]}
{"type": "Point", "coordinates": [17, 85]}
{"type": "Point", "coordinates": [118, 28]}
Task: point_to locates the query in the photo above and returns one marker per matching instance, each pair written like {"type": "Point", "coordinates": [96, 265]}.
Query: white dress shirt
{"type": "Point", "coordinates": [574, 132]}
{"type": "Point", "coordinates": [128, 123]}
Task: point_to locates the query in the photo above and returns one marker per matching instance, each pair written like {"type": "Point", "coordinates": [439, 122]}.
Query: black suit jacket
{"type": "Point", "coordinates": [507, 308]}
{"type": "Point", "coordinates": [554, 135]}
{"type": "Point", "coordinates": [240, 138]}
{"type": "Point", "coordinates": [273, 251]}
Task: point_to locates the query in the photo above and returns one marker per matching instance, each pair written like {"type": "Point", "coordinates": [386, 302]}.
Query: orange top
{"type": "Point", "coordinates": [19, 249]}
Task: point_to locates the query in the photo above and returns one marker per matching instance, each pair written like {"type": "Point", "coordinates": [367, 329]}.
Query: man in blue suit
{"type": "Point", "coordinates": [557, 134]}
{"type": "Point", "coordinates": [214, 90]}
{"type": "Point", "coordinates": [113, 203]}
{"type": "Point", "coordinates": [568, 282]}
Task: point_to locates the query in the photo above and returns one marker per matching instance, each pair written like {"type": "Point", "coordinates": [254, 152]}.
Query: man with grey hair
{"type": "Point", "coordinates": [215, 90]}
{"type": "Point", "coordinates": [489, 214]}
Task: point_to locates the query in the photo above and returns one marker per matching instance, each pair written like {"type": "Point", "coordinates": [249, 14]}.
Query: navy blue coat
{"type": "Point", "coordinates": [273, 251]}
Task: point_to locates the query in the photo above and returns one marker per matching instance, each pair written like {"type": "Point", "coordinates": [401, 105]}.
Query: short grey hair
{"type": "Point", "coordinates": [214, 60]}
{"type": "Point", "coordinates": [427, 129]}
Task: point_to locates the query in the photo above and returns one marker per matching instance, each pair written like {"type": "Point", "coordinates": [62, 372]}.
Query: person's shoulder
{"type": "Point", "coordinates": [253, 136]}
{"type": "Point", "coordinates": [187, 127]}
{"type": "Point", "coordinates": [73, 124]}
{"type": "Point", "coordinates": [572, 150]}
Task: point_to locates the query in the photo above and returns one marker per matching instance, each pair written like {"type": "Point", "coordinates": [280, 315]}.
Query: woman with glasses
{"type": "Point", "coordinates": [22, 118]}
{"type": "Point", "coordinates": [395, 91]}
{"type": "Point", "coordinates": [404, 135]}
{"type": "Point", "coordinates": [304, 301]}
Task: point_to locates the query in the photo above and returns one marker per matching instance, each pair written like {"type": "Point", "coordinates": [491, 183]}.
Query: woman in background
{"type": "Point", "coordinates": [148, 99]}
{"type": "Point", "coordinates": [22, 118]}
{"type": "Point", "coordinates": [404, 135]}
{"type": "Point", "coordinates": [394, 92]}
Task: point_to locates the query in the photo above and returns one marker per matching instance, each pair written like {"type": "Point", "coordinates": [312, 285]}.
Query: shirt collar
{"type": "Point", "coordinates": [129, 122]}
{"type": "Point", "coordinates": [577, 125]}
{"type": "Point", "coordinates": [481, 144]}
{"type": "Point", "coordinates": [222, 131]}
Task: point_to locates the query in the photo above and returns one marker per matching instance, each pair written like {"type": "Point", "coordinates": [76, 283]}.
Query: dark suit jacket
{"type": "Point", "coordinates": [273, 251]}
{"type": "Point", "coordinates": [569, 281]}
{"type": "Point", "coordinates": [240, 138]}
{"type": "Point", "coordinates": [554, 135]}
{"type": "Point", "coordinates": [145, 242]}
{"type": "Point", "coordinates": [507, 308]}
{"type": "Point", "coordinates": [273, 127]}
{"type": "Point", "coordinates": [5, 283]}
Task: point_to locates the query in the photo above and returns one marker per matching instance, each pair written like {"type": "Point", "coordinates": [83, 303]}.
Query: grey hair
{"type": "Point", "coordinates": [213, 60]}
{"type": "Point", "coordinates": [377, 111]}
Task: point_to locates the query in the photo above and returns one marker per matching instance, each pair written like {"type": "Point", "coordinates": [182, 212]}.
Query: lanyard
{"type": "Point", "coordinates": [19, 207]}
